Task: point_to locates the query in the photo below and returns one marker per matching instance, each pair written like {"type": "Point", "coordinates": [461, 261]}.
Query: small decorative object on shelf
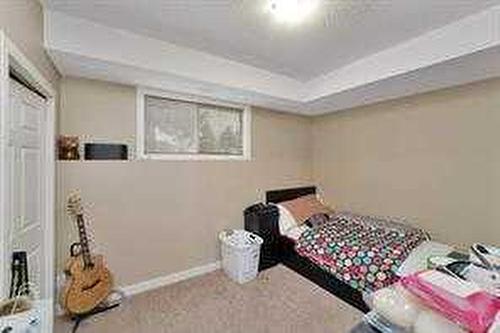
{"type": "Point", "coordinates": [106, 151]}
{"type": "Point", "coordinates": [68, 148]}
{"type": "Point", "coordinates": [87, 148]}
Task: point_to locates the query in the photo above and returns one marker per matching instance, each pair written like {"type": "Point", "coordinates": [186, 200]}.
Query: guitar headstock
{"type": "Point", "coordinates": [74, 205]}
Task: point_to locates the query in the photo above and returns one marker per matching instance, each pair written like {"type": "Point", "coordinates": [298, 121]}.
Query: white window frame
{"type": "Point", "coordinates": [140, 135]}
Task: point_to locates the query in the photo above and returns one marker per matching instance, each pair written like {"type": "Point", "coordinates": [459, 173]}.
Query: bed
{"type": "Point", "coordinates": [305, 254]}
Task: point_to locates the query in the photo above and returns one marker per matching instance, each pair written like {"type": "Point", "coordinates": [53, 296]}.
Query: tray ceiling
{"type": "Point", "coordinates": [340, 31]}
{"type": "Point", "coordinates": [235, 50]}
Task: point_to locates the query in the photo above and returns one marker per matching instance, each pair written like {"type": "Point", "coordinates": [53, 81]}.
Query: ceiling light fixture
{"type": "Point", "coordinates": [291, 11]}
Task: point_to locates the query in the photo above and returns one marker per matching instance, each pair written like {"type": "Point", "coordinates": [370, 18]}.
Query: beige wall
{"type": "Point", "coordinates": [434, 158]}
{"type": "Point", "coordinates": [22, 21]}
{"type": "Point", "coordinates": [152, 218]}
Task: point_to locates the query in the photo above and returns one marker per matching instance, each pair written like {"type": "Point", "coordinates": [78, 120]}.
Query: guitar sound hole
{"type": "Point", "coordinates": [85, 288]}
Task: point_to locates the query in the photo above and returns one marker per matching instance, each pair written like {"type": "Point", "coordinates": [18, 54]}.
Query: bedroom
{"type": "Point", "coordinates": [387, 108]}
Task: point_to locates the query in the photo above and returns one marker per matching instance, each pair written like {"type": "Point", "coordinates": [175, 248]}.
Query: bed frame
{"type": "Point", "coordinates": [288, 257]}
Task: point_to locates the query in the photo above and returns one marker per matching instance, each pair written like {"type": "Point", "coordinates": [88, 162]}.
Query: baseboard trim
{"type": "Point", "coordinates": [166, 280]}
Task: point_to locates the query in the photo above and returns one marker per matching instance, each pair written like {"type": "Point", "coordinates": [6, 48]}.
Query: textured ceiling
{"type": "Point", "coordinates": [339, 33]}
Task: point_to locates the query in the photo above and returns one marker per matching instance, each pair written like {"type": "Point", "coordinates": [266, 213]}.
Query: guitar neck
{"type": "Point", "coordinates": [84, 242]}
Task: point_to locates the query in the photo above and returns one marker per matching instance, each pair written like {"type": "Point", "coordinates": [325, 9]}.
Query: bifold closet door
{"type": "Point", "coordinates": [26, 148]}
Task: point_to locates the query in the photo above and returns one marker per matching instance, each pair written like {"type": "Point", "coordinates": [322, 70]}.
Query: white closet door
{"type": "Point", "coordinates": [26, 146]}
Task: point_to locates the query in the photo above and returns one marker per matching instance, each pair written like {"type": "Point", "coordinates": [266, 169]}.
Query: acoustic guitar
{"type": "Point", "coordinates": [89, 282]}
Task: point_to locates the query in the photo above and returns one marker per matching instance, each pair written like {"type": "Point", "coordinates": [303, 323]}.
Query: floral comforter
{"type": "Point", "coordinates": [362, 251]}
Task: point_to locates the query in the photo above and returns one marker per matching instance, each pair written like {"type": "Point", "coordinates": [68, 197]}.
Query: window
{"type": "Point", "coordinates": [179, 128]}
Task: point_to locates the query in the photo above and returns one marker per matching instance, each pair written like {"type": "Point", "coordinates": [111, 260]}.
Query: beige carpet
{"type": "Point", "coordinates": [279, 300]}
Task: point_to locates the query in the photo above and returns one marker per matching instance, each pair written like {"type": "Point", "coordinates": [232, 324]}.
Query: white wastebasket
{"type": "Point", "coordinates": [240, 251]}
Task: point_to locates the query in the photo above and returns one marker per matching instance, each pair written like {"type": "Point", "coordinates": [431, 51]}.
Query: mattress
{"type": "Point", "coordinates": [363, 252]}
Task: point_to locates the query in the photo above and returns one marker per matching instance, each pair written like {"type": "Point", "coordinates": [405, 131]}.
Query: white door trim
{"type": "Point", "coordinates": [12, 57]}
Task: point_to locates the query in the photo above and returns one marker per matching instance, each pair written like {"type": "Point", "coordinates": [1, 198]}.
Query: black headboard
{"type": "Point", "coordinates": [276, 196]}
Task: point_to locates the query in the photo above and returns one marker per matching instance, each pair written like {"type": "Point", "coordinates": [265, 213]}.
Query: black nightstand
{"type": "Point", "coordinates": [262, 220]}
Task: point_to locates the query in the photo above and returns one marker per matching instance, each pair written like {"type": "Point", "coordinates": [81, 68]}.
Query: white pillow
{"type": "Point", "coordinates": [295, 233]}
{"type": "Point", "coordinates": [286, 220]}
{"type": "Point", "coordinates": [417, 260]}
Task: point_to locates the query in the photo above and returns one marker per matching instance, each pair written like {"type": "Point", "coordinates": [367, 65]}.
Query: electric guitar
{"type": "Point", "coordinates": [89, 282]}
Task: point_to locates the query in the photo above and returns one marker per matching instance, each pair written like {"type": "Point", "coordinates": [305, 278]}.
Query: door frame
{"type": "Point", "coordinates": [12, 57]}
